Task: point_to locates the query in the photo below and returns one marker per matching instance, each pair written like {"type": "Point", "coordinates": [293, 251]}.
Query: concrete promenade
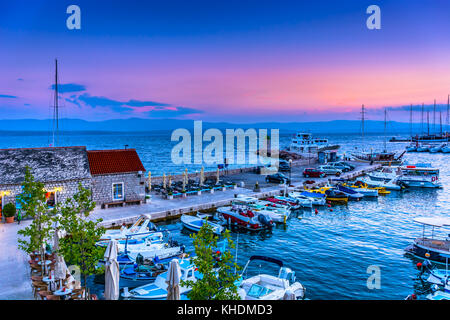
{"type": "Point", "coordinates": [15, 283]}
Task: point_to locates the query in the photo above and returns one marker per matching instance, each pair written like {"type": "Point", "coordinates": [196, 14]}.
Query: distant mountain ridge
{"type": "Point", "coordinates": [145, 125]}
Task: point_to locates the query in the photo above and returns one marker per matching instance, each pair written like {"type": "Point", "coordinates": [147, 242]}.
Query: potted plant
{"type": "Point", "coordinates": [234, 185]}
{"type": "Point", "coordinates": [199, 192]}
{"type": "Point", "coordinates": [183, 192]}
{"type": "Point", "coordinates": [170, 195]}
{"type": "Point", "coordinates": [9, 211]}
{"type": "Point", "coordinates": [224, 188]}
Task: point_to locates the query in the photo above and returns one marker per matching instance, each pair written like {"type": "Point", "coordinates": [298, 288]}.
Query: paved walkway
{"type": "Point", "coordinates": [15, 274]}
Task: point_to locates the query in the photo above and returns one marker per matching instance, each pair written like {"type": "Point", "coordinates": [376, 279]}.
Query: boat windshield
{"type": "Point", "coordinates": [257, 291]}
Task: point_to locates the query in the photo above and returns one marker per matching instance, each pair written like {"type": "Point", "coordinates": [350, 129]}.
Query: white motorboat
{"type": "Point", "coordinates": [300, 201]}
{"type": "Point", "coordinates": [194, 223]}
{"type": "Point", "coordinates": [388, 185]}
{"type": "Point", "coordinates": [437, 148]}
{"type": "Point", "coordinates": [423, 148]}
{"type": "Point", "coordinates": [385, 174]}
{"type": "Point", "coordinates": [411, 148]}
{"type": "Point", "coordinates": [269, 287]}
{"type": "Point", "coordinates": [440, 294]}
{"type": "Point", "coordinates": [141, 226]}
{"type": "Point", "coordinates": [317, 199]}
{"type": "Point", "coordinates": [158, 289]}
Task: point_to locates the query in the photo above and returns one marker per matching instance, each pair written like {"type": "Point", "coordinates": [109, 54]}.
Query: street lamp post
{"type": "Point", "coordinates": [290, 171]}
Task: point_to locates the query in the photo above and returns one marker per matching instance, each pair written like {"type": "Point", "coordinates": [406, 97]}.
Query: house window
{"type": "Point", "coordinates": [51, 199]}
{"type": "Point", "coordinates": [118, 191]}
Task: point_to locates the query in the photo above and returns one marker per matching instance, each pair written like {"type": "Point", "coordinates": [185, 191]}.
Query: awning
{"type": "Point", "coordinates": [433, 221]}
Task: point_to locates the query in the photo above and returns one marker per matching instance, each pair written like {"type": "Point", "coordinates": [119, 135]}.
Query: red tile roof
{"type": "Point", "coordinates": [114, 161]}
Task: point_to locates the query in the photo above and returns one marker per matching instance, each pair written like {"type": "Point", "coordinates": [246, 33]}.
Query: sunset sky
{"type": "Point", "coordinates": [234, 61]}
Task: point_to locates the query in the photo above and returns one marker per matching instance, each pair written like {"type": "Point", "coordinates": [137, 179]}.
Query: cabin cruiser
{"type": "Point", "coordinates": [141, 226]}
{"type": "Point", "coordinates": [419, 176]}
{"type": "Point", "coordinates": [194, 223]}
{"type": "Point", "coordinates": [304, 143]}
{"type": "Point", "coordinates": [269, 287]}
{"type": "Point", "coordinates": [431, 248]}
{"type": "Point", "coordinates": [158, 289]}
{"type": "Point", "coordinates": [138, 239]}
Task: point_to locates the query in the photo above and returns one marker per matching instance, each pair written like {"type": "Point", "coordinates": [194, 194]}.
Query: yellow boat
{"type": "Point", "coordinates": [381, 190]}
{"type": "Point", "coordinates": [335, 199]}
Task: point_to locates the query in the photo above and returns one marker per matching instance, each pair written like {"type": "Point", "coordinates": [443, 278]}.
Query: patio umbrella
{"type": "Point", "coordinates": [184, 181]}
{"type": "Point", "coordinates": [149, 181]}
{"type": "Point", "coordinates": [111, 271]}
{"type": "Point", "coordinates": [164, 180]}
{"type": "Point", "coordinates": [217, 176]}
{"type": "Point", "coordinates": [170, 180]}
{"type": "Point", "coordinates": [60, 269]}
{"type": "Point", "coordinates": [202, 176]}
{"type": "Point", "coordinates": [186, 175]}
{"type": "Point", "coordinates": [173, 280]}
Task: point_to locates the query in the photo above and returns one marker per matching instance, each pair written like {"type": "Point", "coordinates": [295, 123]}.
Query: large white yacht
{"type": "Point", "coordinates": [305, 143]}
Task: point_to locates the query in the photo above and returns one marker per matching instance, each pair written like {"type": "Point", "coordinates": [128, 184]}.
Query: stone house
{"type": "Point", "coordinates": [118, 177]}
{"type": "Point", "coordinates": [61, 169]}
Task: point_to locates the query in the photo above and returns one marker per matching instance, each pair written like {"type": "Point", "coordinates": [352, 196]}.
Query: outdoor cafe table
{"type": "Point", "coordinates": [60, 292]}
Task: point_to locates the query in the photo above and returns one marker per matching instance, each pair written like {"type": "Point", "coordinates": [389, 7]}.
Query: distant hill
{"type": "Point", "coordinates": [143, 125]}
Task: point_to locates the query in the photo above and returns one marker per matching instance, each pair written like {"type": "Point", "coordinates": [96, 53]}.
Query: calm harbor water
{"type": "Point", "coordinates": [331, 251]}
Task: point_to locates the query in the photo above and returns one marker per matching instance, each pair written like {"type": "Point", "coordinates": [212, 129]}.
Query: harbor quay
{"type": "Point", "coordinates": [159, 208]}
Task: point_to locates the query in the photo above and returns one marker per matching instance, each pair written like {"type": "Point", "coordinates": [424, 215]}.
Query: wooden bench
{"type": "Point", "coordinates": [113, 204]}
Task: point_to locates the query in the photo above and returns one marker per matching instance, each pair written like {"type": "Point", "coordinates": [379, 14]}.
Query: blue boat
{"type": "Point", "coordinates": [350, 192]}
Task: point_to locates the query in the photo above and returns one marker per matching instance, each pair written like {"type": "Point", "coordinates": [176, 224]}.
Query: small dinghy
{"type": "Point", "coordinates": [194, 223]}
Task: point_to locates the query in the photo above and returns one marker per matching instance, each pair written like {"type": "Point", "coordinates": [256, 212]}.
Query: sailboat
{"type": "Point", "coordinates": [383, 158]}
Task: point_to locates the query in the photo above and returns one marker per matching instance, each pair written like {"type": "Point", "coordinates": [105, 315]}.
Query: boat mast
{"type": "Point", "coordinates": [440, 122]}
{"type": "Point", "coordinates": [448, 104]}
{"type": "Point", "coordinates": [434, 116]}
{"type": "Point", "coordinates": [362, 123]}
{"type": "Point", "coordinates": [422, 119]}
{"type": "Point", "coordinates": [55, 109]}
{"type": "Point", "coordinates": [385, 122]}
{"type": "Point", "coordinates": [428, 122]}
{"type": "Point", "coordinates": [410, 122]}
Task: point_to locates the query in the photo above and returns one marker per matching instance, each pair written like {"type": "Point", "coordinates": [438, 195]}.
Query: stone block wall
{"type": "Point", "coordinates": [66, 189]}
{"type": "Point", "coordinates": [134, 187]}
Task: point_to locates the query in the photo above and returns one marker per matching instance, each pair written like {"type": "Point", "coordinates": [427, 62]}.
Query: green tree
{"type": "Point", "coordinates": [78, 246]}
{"type": "Point", "coordinates": [218, 275]}
{"type": "Point", "coordinates": [34, 205]}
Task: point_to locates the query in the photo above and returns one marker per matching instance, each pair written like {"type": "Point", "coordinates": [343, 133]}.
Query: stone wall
{"type": "Point", "coordinates": [134, 187]}
{"type": "Point", "coordinates": [66, 189]}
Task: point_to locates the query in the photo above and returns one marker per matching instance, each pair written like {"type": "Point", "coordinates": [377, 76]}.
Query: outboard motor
{"type": "Point", "coordinates": [152, 227]}
{"type": "Point", "coordinates": [264, 221]}
{"type": "Point", "coordinates": [139, 259]}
